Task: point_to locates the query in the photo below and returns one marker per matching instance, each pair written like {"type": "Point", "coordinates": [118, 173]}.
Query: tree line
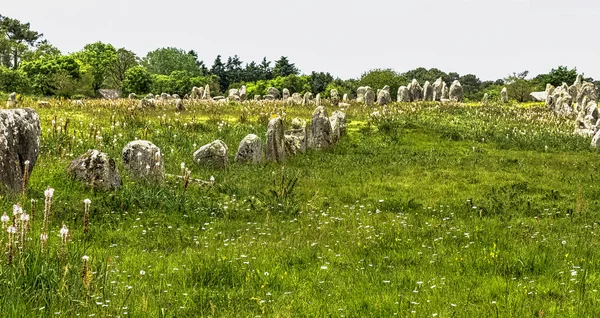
{"type": "Point", "coordinates": [29, 64]}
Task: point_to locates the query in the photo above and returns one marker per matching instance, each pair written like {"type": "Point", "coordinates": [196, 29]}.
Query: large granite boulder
{"type": "Point", "coordinates": [213, 155]}
{"type": "Point", "coordinates": [369, 97]}
{"type": "Point", "coordinates": [456, 91]}
{"type": "Point", "coordinates": [297, 144]}
{"type": "Point", "coordinates": [143, 160]}
{"type": "Point", "coordinates": [19, 142]}
{"type": "Point", "coordinates": [383, 97]}
{"type": "Point", "coordinates": [275, 144]}
{"type": "Point", "coordinates": [403, 94]}
{"type": "Point", "coordinates": [320, 130]}
{"type": "Point", "coordinates": [250, 150]}
{"type": "Point", "coordinates": [416, 91]}
{"type": "Point", "coordinates": [96, 169]}
{"type": "Point", "coordinates": [437, 89]}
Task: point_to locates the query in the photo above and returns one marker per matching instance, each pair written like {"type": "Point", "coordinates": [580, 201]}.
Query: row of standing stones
{"type": "Point", "coordinates": [20, 146]}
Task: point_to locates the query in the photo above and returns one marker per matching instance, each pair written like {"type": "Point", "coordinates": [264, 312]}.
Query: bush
{"type": "Point", "coordinates": [137, 80]}
{"type": "Point", "coordinates": [13, 80]}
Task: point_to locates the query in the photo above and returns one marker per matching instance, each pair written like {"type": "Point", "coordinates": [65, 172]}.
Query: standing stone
{"type": "Point", "coordinates": [12, 100]}
{"type": "Point", "coordinates": [484, 100]}
{"type": "Point", "coordinates": [179, 105]}
{"type": "Point", "coordinates": [549, 92]}
{"type": "Point", "coordinates": [416, 91]}
{"type": "Point", "coordinates": [286, 94]}
{"type": "Point", "coordinates": [504, 95]}
{"type": "Point", "coordinates": [257, 97]}
{"type": "Point", "coordinates": [318, 99]}
{"type": "Point", "coordinates": [250, 150]}
{"type": "Point", "coordinates": [345, 98]}
{"type": "Point", "coordinates": [587, 90]}
{"type": "Point", "coordinates": [437, 89]}
{"type": "Point", "coordinates": [164, 96]}
{"type": "Point", "coordinates": [132, 96]}
{"type": "Point", "coordinates": [383, 97]}
{"type": "Point", "coordinates": [143, 160]}
{"type": "Point", "coordinates": [445, 93]}
{"type": "Point", "coordinates": [456, 92]}
{"type": "Point", "coordinates": [96, 169]}
{"type": "Point", "coordinates": [275, 143]}
{"type": "Point", "coordinates": [369, 97]}
{"type": "Point", "coordinates": [206, 93]}
{"type": "Point", "coordinates": [320, 129]}
{"type": "Point", "coordinates": [596, 140]}
{"type": "Point", "coordinates": [307, 98]}
{"type": "Point", "coordinates": [213, 155]}
{"type": "Point", "coordinates": [297, 99]}
{"type": "Point", "coordinates": [274, 92]}
{"type": "Point", "coordinates": [296, 138]}
{"type": "Point", "coordinates": [243, 93]}
{"type": "Point", "coordinates": [338, 125]}
{"type": "Point", "coordinates": [427, 91]}
{"type": "Point", "coordinates": [19, 142]}
{"type": "Point", "coordinates": [360, 94]}
{"type": "Point", "coordinates": [233, 94]}
{"type": "Point", "coordinates": [403, 94]}
{"type": "Point", "coordinates": [335, 97]}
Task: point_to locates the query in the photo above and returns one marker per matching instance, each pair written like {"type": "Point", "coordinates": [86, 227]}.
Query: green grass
{"type": "Point", "coordinates": [422, 210]}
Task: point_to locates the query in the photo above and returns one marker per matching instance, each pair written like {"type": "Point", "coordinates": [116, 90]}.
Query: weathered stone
{"type": "Point", "coordinates": [427, 91]}
{"type": "Point", "coordinates": [275, 143]}
{"type": "Point", "coordinates": [143, 160]}
{"type": "Point", "coordinates": [250, 150]}
{"type": "Point", "coordinates": [165, 96]}
{"type": "Point", "coordinates": [274, 92]}
{"type": "Point", "coordinates": [243, 93]}
{"type": "Point", "coordinates": [293, 145]}
{"type": "Point", "coordinates": [213, 155]}
{"type": "Point", "coordinates": [369, 97]}
{"type": "Point", "coordinates": [484, 100]}
{"type": "Point", "coordinates": [175, 97]}
{"type": "Point", "coordinates": [416, 91]}
{"type": "Point", "coordinates": [96, 169]}
{"type": "Point", "coordinates": [318, 99]}
{"type": "Point", "coordinates": [179, 105]}
{"type": "Point", "coordinates": [19, 142]}
{"type": "Point", "coordinates": [456, 92]}
{"type": "Point", "coordinates": [299, 133]}
{"type": "Point", "coordinates": [233, 92]}
{"type": "Point", "coordinates": [338, 125]}
{"type": "Point", "coordinates": [132, 96]}
{"type": "Point", "coordinates": [307, 99]}
{"type": "Point", "coordinates": [403, 94]}
{"type": "Point", "coordinates": [197, 92]}
{"type": "Point", "coordinates": [257, 97]}
{"type": "Point", "coordinates": [445, 92]}
{"type": "Point", "coordinates": [12, 100]}
{"type": "Point", "coordinates": [334, 97]}
{"type": "Point", "coordinates": [296, 99]}
{"type": "Point", "coordinates": [286, 94]}
{"type": "Point", "coordinates": [383, 97]}
{"type": "Point", "coordinates": [549, 92]}
{"type": "Point", "coordinates": [320, 129]}
{"type": "Point", "coordinates": [43, 103]}
{"type": "Point", "coordinates": [504, 95]}
{"type": "Point", "coordinates": [560, 101]}
{"type": "Point", "coordinates": [360, 94]}
{"type": "Point", "coordinates": [146, 103]}
{"type": "Point", "coordinates": [206, 93]}
{"type": "Point", "coordinates": [345, 98]}
{"type": "Point", "coordinates": [587, 90]}
{"type": "Point", "coordinates": [269, 97]}
{"type": "Point", "coordinates": [437, 89]}
{"type": "Point", "coordinates": [596, 140]}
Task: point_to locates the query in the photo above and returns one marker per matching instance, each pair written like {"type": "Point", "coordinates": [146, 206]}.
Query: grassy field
{"type": "Point", "coordinates": [422, 210]}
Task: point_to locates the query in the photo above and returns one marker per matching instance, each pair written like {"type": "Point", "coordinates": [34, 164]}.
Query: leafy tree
{"type": "Point", "coordinates": [283, 68]}
{"type": "Point", "coordinates": [164, 61]}
{"type": "Point", "coordinates": [318, 82]}
{"type": "Point", "coordinates": [97, 59]}
{"type": "Point", "coordinates": [422, 74]}
{"type": "Point", "coordinates": [518, 86]}
{"type": "Point", "coordinates": [378, 78]}
{"type": "Point", "coordinates": [125, 60]}
{"type": "Point", "coordinates": [13, 80]}
{"type": "Point", "coordinates": [266, 72]}
{"type": "Point", "coordinates": [218, 69]}
{"type": "Point", "coordinates": [18, 36]}
{"type": "Point", "coordinates": [233, 70]}
{"type": "Point", "coordinates": [42, 49]}
{"type": "Point", "coordinates": [556, 77]}
{"type": "Point", "coordinates": [343, 87]}
{"type": "Point", "coordinates": [137, 80]}
{"type": "Point", "coordinates": [472, 87]}
{"type": "Point", "coordinates": [47, 70]}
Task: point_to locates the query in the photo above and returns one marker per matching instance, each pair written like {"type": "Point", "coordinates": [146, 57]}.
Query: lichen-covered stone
{"type": "Point", "coordinates": [437, 89]}
{"type": "Point", "coordinates": [427, 91]}
{"type": "Point", "coordinates": [250, 150]}
{"type": "Point", "coordinates": [143, 160]}
{"type": "Point", "coordinates": [96, 169]}
{"type": "Point", "coordinates": [19, 142]}
{"type": "Point", "coordinates": [369, 97]}
{"type": "Point", "coordinates": [213, 155]}
{"type": "Point", "coordinates": [456, 92]}
{"type": "Point", "coordinates": [320, 130]}
{"type": "Point", "coordinates": [403, 94]}
{"type": "Point", "coordinates": [416, 91]}
{"type": "Point", "coordinates": [383, 96]}
{"type": "Point", "coordinates": [275, 142]}
{"type": "Point", "coordinates": [504, 95]}
{"type": "Point", "coordinates": [274, 92]}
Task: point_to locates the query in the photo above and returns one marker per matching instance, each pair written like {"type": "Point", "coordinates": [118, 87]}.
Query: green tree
{"type": "Point", "coordinates": [137, 80]}
{"type": "Point", "coordinates": [283, 68]}
{"type": "Point", "coordinates": [472, 87]}
{"type": "Point", "coordinates": [233, 70]}
{"type": "Point", "coordinates": [556, 77]}
{"type": "Point", "coordinates": [42, 49]}
{"type": "Point", "coordinates": [17, 39]}
{"type": "Point", "coordinates": [422, 74]}
{"type": "Point", "coordinates": [318, 82]}
{"type": "Point", "coordinates": [125, 60]}
{"type": "Point", "coordinates": [266, 72]}
{"type": "Point", "coordinates": [48, 72]}
{"type": "Point", "coordinates": [378, 78]}
{"type": "Point", "coordinates": [164, 61]}
{"type": "Point", "coordinates": [518, 87]}
{"type": "Point", "coordinates": [218, 69]}
{"type": "Point", "coordinates": [97, 59]}
{"type": "Point", "coordinates": [13, 80]}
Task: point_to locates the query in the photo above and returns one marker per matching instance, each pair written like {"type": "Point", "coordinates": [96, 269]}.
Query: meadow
{"type": "Point", "coordinates": [421, 210]}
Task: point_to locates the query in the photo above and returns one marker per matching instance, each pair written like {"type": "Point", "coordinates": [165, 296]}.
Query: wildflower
{"type": "Point", "coordinates": [142, 272]}
{"type": "Point", "coordinates": [12, 230]}
{"type": "Point", "coordinates": [4, 218]}
{"type": "Point", "coordinates": [49, 193]}
{"type": "Point", "coordinates": [86, 215]}
{"type": "Point", "coordinates": [212, 180]}
{"type": "Point", "coordinates": [17, 210]}
{"type": "Point", "coordinates": [64, 231]}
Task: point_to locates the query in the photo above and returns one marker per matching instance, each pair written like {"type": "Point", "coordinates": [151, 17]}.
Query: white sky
{"type": "Point", "coordinates": [489, 38]}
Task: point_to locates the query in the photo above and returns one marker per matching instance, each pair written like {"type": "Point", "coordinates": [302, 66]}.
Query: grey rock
{"type": "Point", "coordinates": [403, 94]}
{"type": "Point", "coordinates": [596, 140]}
{"type": "Point", "coordinates": [318, 99]}
{"type": "Point", "coordinates": [12, 100]}
{"type": "Point", "coordinates": [96, 169]}
{"type": "Point", "coordinates": [299, 133]}
{"type": "Point", "coordinates": [445, 92]}
{"type": "Point", "coordinates": [250, 150]}
{"type": "Point", "coordinates": [456, 92]}
{"type": "Point", "coordinates": [243, 93]}
{"type": "Point", "coordinates": [19, 142]}
{"type": "Point", "coordinates": [416, 91]}
{"type": "Point", "coordinates": [286, 94]}
{"type": "Point", "coordinates": [143, 160]}
{"type": "Point", "coordinates": [132, 96]}
{"type": "Point", "coordinates": [437, 89]}
{"type": "Point", "coordinates": [308, 96]}
{"type": "Point", "coordinates": [334, 97]}
{"type": "Point", "coordinates": [320, 130]}
{"type": "Point", "coordinates": [206, 93]}
{"type": "Point", "coordinates": [587, 90]}
{"type": "Point", "coordinates": [297, 99]}
{"type": "Point", "coordinates": [360, 94]}
{"type": "Point", "coordinates": [269, 97]}
{"type": "Point", "coordinates": [275, 143]}
{"type": "Point", "coordinates": [427, 91]}
{"type": "Point", "coordinates": [383, 97]}
{"type": "Point", "coordinates": [179, 105]}
{"type": "Point", "coordinates": [345, 98]}
{"type": "Point", "coordinates": [338, 125]}
{"type": "Point", "coordinates": [484, 100]}
{"type": "Point", "coordinates": [293, 145]}
{"type": "Point", "coordinates": [369, 97]}
{"type": "Point", "coordinates": [504, 95]}
{"type": "Point", "coordinates": [257, 97]}
{"type": "Point", "coordinates": [274, 92]}
{"type": "Point", "coordinates": [213, 155]}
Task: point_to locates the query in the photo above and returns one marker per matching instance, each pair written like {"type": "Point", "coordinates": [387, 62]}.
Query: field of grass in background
{"type": "Point", "coordinates": [421, 210]}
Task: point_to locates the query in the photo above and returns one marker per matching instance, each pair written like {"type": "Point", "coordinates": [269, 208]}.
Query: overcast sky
{"type": "Point", "coordinates": [489, 38]}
